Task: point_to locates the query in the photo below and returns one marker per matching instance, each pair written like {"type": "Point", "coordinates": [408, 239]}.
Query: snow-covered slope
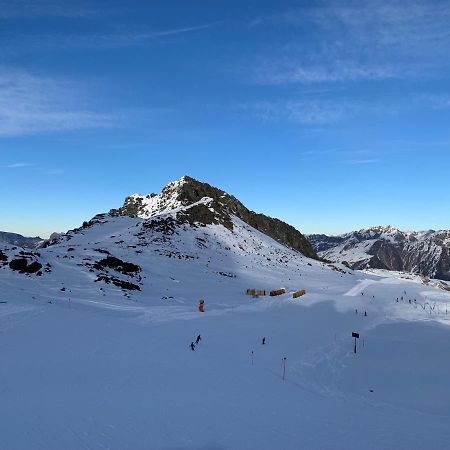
{"type": "Point", "coordinates": [426, 252]}
{"type": "Point", "coordinates": [95, 350]}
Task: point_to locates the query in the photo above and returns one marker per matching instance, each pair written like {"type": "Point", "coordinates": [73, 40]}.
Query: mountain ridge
{"type": "Point", "coordinates": [7, 237]}
{"type": "Point", "coordinates": [424, 252]}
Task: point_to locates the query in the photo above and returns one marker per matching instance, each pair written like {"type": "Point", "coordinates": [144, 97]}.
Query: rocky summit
{"type": "Point", "coordinates": [195, 202]}
{"type": "Point", "coordinates": [426, 253]}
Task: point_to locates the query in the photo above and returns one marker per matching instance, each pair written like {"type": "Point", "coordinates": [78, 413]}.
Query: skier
{"type": "Point", "coordinates": [192, 346]}
{"type": "Point", "coordinates": [356, 311]}
{"type": "Point", "coordinates": [199, 338]}
{"type": "Point", "coordinates": [263, 342]}
{"type": "Point", "coordinates": [365, 313]}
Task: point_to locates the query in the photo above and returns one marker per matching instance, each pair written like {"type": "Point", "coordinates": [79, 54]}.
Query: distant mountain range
{"type": "Point", "coordinates": [426, 253]}
{"type": "Point", "coordinates": [19, 240]}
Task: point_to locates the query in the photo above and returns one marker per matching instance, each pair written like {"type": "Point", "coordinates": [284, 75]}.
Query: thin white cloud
{"type": "Point", "coordinates": [101, 40]}
{"type": "Point", "coordinates": [52, 172]}
{"type": "Point", "coordinates": [292, 72]}
{"type": "Point", "coordinates": [434, 101]}
{"type": "Point", "coordinates": [126, 39]}
{"type": "Point", "coordinates": [357, 40]}
{"type": "Point", "coordinates": [360, 161]}
{"type": "Point", "coordinates": [310, 112]}
{"type": "Point", "coordinates": [176, 31]}
{"type": "Point", "coordinates": [44, 8]}
{"type": "Point", "coordinates": [32, 104]}
{"type": "Point", "coordinates": [19, 165]}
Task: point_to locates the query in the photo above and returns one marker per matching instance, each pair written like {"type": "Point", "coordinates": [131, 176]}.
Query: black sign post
{"type": "Point", "coordinates": [356, 336]}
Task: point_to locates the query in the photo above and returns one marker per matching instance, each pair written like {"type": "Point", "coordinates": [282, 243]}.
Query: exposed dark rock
{"type": "Point", "coordinates": [226, 274]}
{"type": "Point", "coordinates": [100, 250]}
{"type": "Point", "coordinates": [117, 282]}
{"type": "Point", "coordinates": [21, 265]}
{"type": "Point", "coordinates": [3, 257]}
{"type": "Point", "coordinates": [111, 262]}
{"type": "Point", "coordinates": [206, 214]}
{"type": "Point", "coordinates": [18, 264]}
{"type": "Point", "coordinates": [166, 225]}
{"type": "Point", "coordinates": [34, 267]}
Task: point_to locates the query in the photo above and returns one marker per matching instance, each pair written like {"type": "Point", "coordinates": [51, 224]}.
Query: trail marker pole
{"type": "Point", "coordinates": [356, 336]}
{"type": "Point", "coordinates": [283, 365]}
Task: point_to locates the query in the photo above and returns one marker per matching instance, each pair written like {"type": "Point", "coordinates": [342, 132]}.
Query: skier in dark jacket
{"type": "Point", "coordinates": [263, 342]}
{"type": "Point", "coordinates": [192, 346]}
{"type": "Point", "coordinates": [199, 338]}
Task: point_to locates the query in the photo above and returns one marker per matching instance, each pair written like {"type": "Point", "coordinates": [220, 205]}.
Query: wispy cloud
{"type": "Point", "coordinates": [175, 31]}
{"type": "Point", "coordinates": [434, 101]}
{"type": "Point", "coordinates": [52, 172]}
{"type": "Point", "coordinates": [33, 104]}
{"type": "Point", "coordinates": [353, 162]}
{"type": "Point", "coordinates": [115, 39]}
{"type": "Point", "coordinates": [19, 165]}
{"type": "Point", "coordinates": [44, 8]}
{"type": "Point", "coordinates": [133, 38]}
{"type": "Point", "coordinates": [290, 71]}
{"type": "Point", "coordinates": [310, 112]}
{"type": "Point", "coordinates": [357, 40]}
{"type": "Point", "coordinates": [337, 109]}
{"type": "Point", "coordinates": [37, 168]}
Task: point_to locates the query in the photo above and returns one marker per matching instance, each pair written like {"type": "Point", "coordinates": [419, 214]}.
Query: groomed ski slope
{"type": "Point", "coordinates": [108, 371]}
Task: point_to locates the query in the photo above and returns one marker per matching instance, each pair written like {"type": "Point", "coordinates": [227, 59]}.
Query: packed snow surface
{"type": "Point", "coordinates": [87, 365]}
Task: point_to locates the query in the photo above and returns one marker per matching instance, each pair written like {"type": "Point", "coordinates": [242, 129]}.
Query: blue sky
{"type": "Point", "coordinates": [330, 115]}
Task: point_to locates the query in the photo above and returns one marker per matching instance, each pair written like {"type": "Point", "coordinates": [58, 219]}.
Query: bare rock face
{"type": "Point", "coordinates": [425, 253]}
{"type": "Point", "coordinates": [200, 204]}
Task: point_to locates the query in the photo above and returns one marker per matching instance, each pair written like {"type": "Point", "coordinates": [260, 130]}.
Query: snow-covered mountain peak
{"type": "Point", "coordinates": [145, 206]}
{"type": "Point", "coordinates": [380, 229]}
{"type": "Point", "coordinates": [185, 200]}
